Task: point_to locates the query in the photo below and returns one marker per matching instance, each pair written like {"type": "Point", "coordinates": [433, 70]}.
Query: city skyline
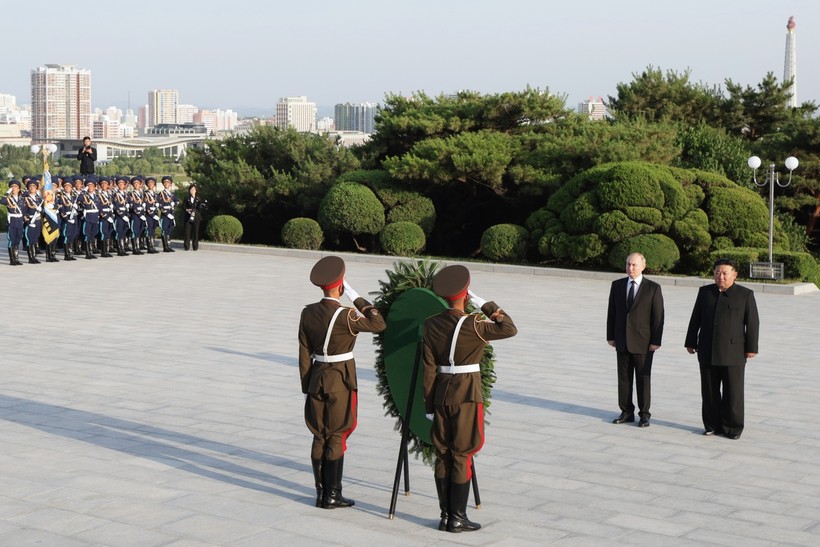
{"type": "Point", "coordinates": [245, 59]}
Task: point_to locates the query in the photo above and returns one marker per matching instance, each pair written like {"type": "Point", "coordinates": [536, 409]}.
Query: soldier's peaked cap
{"type": "Point", "coordinates": [169, 178]}
{"type": "Point", "coordinates": [15, 182]}
{"type": "Point", "coordinates": [138, 178]}
{"type": "Point", "coordinates": [328, 273]}
{"type": "Point", "coordinates": [452, 282]}
{"type": "Point", "coordinates": [69, 181]}
{"type": "Point", "coordinates": [150, 179]}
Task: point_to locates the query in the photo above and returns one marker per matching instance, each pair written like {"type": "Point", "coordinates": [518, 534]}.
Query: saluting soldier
{"type": "Point", "coordinates": [67, 211]}
{"type": "Point", "coordinates": [33, 219]}
{"type": "Point", "coordinates": [90, 204]}
{"type": "Point", "coordinates": [168, 202]}
{"type": "Point", "coordinates": [151, 213]}
{"type": "Point", "coordinates": [79, 189]}
{"type": "Point", "coordinates": [12, 201]}
{"type": "Point", "coordinates": [137, 213]}
{"type": "Point", "coordinates": [106, 217]}
{"type": "Point", "coordinates": [454, 343]}
{"type": "Point", "coordinates": [327, 334]}
{"type": "Point", "coordinates": [121, 219]}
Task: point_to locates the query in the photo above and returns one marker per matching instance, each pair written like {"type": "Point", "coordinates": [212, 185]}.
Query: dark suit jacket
{"type": "Point", "coordinates": [634, 331]}
{"type": "Point", "coordinates": [724, 326]}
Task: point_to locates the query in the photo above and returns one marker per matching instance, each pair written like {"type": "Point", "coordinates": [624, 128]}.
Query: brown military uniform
{"type": "Point", "coordinates": [455, 400]}
{"type": "Point", "coordinates": [330, 408]}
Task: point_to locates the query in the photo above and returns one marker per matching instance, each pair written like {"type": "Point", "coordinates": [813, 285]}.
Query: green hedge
{"type": "Point", "coordinates": [302, 233]}
{"type": "Point", "coordinates": [403, 239]}
{"type": "Point", "coordinates": [224, 229]}
{"type": "Point", "coordinates": [504, 242]}
{"type": "Point", "coordinates": [796, 265]}
{"type": "Point", "coordinates": [351, 207]}
{"type": "Point", "coordinates": [419, 210]}
{"type": "Point", "coordinates": [4, 219]}
{"type": "Point", "coordinates": [661, 252]}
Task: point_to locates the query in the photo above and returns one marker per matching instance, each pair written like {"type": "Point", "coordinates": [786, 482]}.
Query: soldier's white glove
{"type": "Point", "coordinates": [351, 294]}
{"type": "Point", "coordinates": [111, 220]}
{"type": "Point", "coordinates": [142, 218]}
{"type": "Point", "coordinates": [476, 300]}
{"type": "Point", "coordinates": [170, 216]}
{"type": "Point", "coordinates": [429, 417]}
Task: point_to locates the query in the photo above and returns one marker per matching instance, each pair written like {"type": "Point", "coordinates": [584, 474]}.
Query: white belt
{"type": "Point", "coordinates": [92, 211]}
{"type": "Point", "coordinates": [13, 215]}
{"type": "Point", "coordinates": [458, 369]}
{"type": "Point", "coordinates": [332, 358]}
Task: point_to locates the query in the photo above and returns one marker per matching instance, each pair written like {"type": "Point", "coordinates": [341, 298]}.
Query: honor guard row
{"type": "Point", "coordinates": [89, 212]}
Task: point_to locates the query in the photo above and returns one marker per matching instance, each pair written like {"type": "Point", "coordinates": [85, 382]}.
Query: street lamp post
{"type": "Point", "coordinates": [772, 178]}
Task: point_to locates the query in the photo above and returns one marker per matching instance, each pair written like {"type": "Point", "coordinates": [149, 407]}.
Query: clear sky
{"type": "Point", "coordinates": [245, 54]}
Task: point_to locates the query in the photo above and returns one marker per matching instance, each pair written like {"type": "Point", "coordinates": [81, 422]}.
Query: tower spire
{"type": "Point", "coordinates": [790, 68]}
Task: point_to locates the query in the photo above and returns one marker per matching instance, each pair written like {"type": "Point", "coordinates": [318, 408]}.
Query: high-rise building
{"type": "Point", "coordinates": [790, 68]}
{"type": "Point", "coordinates": [356, 117]}
{"type": "Point", "coordinates": [595, 109]}
{"type": "Point", "coordinates": [60, 102]}
{"type": "Point", "coordinates": [185, 113]}
{"type": "Point", "coordinates": [162, 106]}
{"type": "Point", "coordinates": [8, 103]}
{"type": "Point", "coordinates": [296, 112]}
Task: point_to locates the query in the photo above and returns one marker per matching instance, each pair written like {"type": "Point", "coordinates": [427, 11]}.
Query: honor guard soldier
{"type": "Point", "coordinates": [79, 189]}
{"type": "Point", "coordinates": [167, 203]}
{"type": "Point", "coordinates": [12, 201]}
{"type": "Point", "coordinates": [90, 204]}
{"type": "Point", "coordinates": [327, 334]}
{"type": "Point", "coordinates": [137, 213]}
{"type": "Point", "coordinates": [32, 219]}
{"type": "Point", "coordinates": [67, 211]}
{"type": "Point", "coordinates": [106, 217]}
{"type": "Point", "coordinates": [121, 207]}
{"type": "Point", "coordinates": [151, 213]}
{"type": "Point", "coordinates": [454, 343]}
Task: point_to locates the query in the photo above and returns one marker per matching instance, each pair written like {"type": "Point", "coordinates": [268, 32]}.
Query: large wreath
{"type": "Point", "coordinates": [406, 276]}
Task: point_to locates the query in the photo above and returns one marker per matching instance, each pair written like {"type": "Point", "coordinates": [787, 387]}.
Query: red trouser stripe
{"type": "Point", "coordinates": [354, 402]}
{"type": "Point", "coordinates": [480, 425]}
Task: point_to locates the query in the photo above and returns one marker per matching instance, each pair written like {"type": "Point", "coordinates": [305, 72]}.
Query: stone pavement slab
{"type": "Point", "coordinates": [154, 400]}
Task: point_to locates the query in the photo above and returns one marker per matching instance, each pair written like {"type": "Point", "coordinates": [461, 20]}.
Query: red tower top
{"type": "Point", "coordinates": [790, 25]}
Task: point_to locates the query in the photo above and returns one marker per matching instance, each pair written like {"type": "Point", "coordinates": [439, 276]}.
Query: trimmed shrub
{"type": "Point", "coordinates": [4, 219]}
{"type": "Point", "coordinates": [721, 242]}
{"type": "Point", "coordinates": [302, 233]}
{"type": "Point", "coordinates": [417, 210]}
{"type": "Point", "coordinates": [692, 232]}
{"type": "Point", "coordinates": [632, 184]}
{"type": "Point", "coordinates": [733, 211]}
{"type": "Point", "coordinates": [615, 226]}
{"type": "Point", "coordinates": [351, 207]}
{"type": "Point", "coordinates": [579, 216]}
{"type": "Point", "coordinates": [504, 242]}
{"type": "Point", "coordinates": [402, 239]}
{"type": "Point", "coordinates": [661, 252]}
{"type": "Point", "coordinates": [586, 248]}
{"type": "Point", "coordinates": [644, 215]}
{"type": "Point", "coordinates": [224, 229]}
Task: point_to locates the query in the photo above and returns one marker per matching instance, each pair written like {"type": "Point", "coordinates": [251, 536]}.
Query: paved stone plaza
{"type": "Point", "coordinates": [155, 400]}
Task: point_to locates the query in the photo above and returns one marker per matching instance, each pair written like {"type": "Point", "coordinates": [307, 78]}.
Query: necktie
{"type": "Point", "coordinates": [631, 296]}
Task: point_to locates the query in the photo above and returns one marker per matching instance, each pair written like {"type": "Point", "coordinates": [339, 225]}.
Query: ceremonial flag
{"type": "Point", "coordinates": [51, 224]}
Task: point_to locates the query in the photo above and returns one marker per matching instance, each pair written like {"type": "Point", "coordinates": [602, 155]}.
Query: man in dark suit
{"type": "Point", "coordinates": [723, 331]}
{"type": "Point", "coordinates": [634, 327]}
{"type": "Point", "coordinates": [87, 155]}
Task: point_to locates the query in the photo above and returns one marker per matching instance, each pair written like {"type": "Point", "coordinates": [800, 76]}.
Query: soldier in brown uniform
{"type": "Point", "coordinates": [327, 334]}
{"type": "Point", "coordinates": [454, 344]}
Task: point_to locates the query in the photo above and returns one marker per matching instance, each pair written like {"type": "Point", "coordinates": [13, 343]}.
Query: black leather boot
{"type": "Point", "coordinates": [32, 254]}
{"type": "Point", "coordinates": [89, 254]}
{"type": "Point", "coordinates": [121, 247]}
{"type": "Point", "coordinates": [457, 520]}
{"type": "Point", "coordinates": [67, 255]}
{"type": "Point", "coordinates": [168, 242]}
{"type": "Point", "coordinates": [135, 247]}
{"type": "Point", "coordinates": [443, 491]}
{"type": "Point", "coordinates": [16, 252]}
{"type": "Point", "coordinates": [317, 477]}
{"type": "Point", "coordinates": [141, 241]}
{"type": "Point", "coordinates": [151, 248]}
{"type": "Point", "coordinates": [332, 485]}
{"type": "Point", "coordinates": [51, 252]}
{"type": "Point", "coordinates": [11, 258]}
{"type": "Point", "coordinates": [104, 245]}
{"type": "Point", "coordinates": [94, 248]}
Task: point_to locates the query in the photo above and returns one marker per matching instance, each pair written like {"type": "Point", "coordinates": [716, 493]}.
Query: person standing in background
{"type": "Point", "coordinates": [87, 156]}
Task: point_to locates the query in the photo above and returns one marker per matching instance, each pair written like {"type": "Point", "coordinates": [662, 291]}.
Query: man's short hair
{"type": "Point", "coordinates": [725, 262]}
{"type": "Point", "coordinates": [86, 138]}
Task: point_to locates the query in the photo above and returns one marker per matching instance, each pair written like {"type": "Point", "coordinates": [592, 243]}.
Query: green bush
{"type": "Point", "coordinates": [351, 207]}
{"type": "Point", "coordinates": [504, 242]}
{"type": "Point", "coordinates": [644, 215]}
{"type": "Point", "coordinates": [579, 216]}
{"type": "Point", "coordinates": [721, 242]}
{"type": "Point", "coordinates": [661, 252]}
{"type": "Point", "coordinates": [615, 226]}
{"type": "Point", "coordinates": [632, 184]}
{"type": "Point", "coordinates": [302, 233]}
{"type": "Point", "coordinates": [800, 266]}
{"type": "Point", "coordinates": [586, 248]}
{"type": "Point", "coordinates": [403, 239]}
{"type": "Point", "coordinates": [417, 210]}
{"type": "Point", "coordinates": [224, 229]}
{"type": "Point", "coordinates": [733, 211]}
{"type": "Point", "coordinates": [4, 219]}
{"type": "Point", "coordinates": [692, 232]}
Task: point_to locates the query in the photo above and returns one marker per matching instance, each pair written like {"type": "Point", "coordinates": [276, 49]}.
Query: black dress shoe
{"type": "Point", "coordinates": [733, 436]}
{"type": "Point", "coordinates": [624, 418]}
{"type": "Point", "coordinates": [709, 432]}
{"type": "Point", "coordinates": [644, 422]}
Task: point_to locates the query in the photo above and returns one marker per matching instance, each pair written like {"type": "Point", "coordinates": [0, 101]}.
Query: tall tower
{"type": "Point", "coordinates": [60, 102]}
{"type": "Point", "coordinates": [790, 69]}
